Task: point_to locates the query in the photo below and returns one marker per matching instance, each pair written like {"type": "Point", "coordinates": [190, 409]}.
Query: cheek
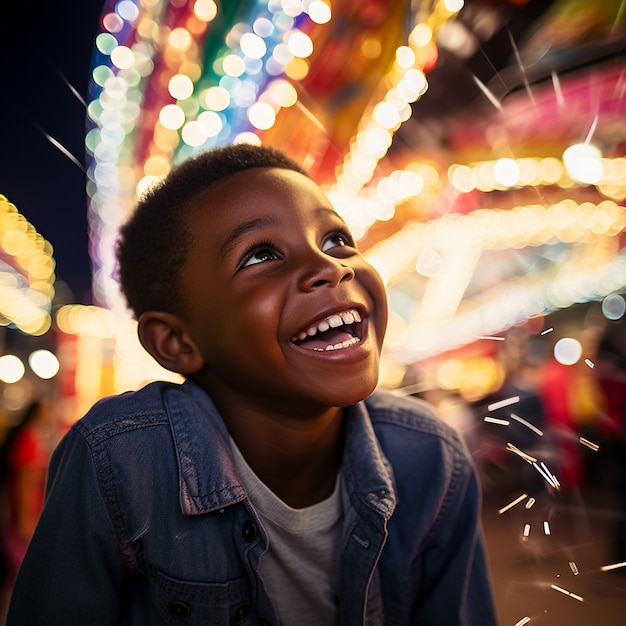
{"type": "Point", "coordinates": [376, 288]}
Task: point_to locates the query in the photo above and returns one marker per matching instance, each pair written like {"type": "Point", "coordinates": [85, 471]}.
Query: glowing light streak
{"type": "Point", "coordinates": [526, 532]}
{"type": "Point", "coordinates": [547, 330]}
{"type": "Point", "coordinates": [518, 58]}
{"type": "Point", "coordinates": [496, 420]}
{"type": "Point", "coordinates": [527, 424]}
{"type": "Point", "coordinates": [61, 148]}
{"type": "Point", "coordinates": [546, 475]}
{"type": "Point", "coordinates": [592, 446]}
{"type": "Point", "coordinates": [546, 527]}
{"type": "Point", "coordinates": [527, 457]}
{"type": "Point", "coordinates": [488, 93]}
{"type": "Point", "coordinates": [607, 568]}
{"type": "Point", "coordinates": [574, 568]}
{"type": "Point", "coordinates": [592, 130]}
{"type": "Point", "coordinates": [490, 338]}
{"type": "Point", "coordinates": [502, 403]}
{"type": "Point", "coordinates": [510, 505]}
{"type": "Point", "coordinates": [523, 621]}
{"type": "Point", "coordinates": [530, 503]}
{"type": "Point", "coordinates": [567, 593]}
{"type": "Point", "coordinates": [589, 363]}
{"type": "Point", "coordinates": [558, 92]}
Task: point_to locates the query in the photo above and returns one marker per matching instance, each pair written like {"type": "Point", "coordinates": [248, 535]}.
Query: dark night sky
{"type": "Point", "coordinates": [43, 45]}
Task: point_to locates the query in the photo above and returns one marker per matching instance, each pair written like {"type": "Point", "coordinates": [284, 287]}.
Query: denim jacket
{"type": "Point", "coordinates": [146, 521]}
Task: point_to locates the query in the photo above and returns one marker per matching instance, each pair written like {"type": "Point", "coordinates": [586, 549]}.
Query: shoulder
{"type": "Point", "coordinates": [124, 412]}
{"type": "Point", "coordinates": [410, 415]}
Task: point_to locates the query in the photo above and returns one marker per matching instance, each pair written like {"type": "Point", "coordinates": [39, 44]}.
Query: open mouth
{"type": "Point", "coordinates": [335, 332]}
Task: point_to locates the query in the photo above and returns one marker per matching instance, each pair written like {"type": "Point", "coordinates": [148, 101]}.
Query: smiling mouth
{"type": "Point", "coordinates": [335, 332]}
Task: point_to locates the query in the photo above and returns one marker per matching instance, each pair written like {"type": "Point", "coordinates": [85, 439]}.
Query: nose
{"type": "Point", "coordinates": [320, 269]}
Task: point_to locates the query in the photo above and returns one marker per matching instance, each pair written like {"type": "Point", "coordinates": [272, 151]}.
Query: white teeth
{"type": "Point", "coordinates": [324, 326]}
{"type": "Point", "coordinates": [347, 318]}
{"type": "Point", "coordinates": [332, 321]}
{"type": "Point", "coordinates": [344, 344]}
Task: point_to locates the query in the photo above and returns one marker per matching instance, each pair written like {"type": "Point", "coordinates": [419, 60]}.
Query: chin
{"type": "Point", "coordinates": [355, 393]}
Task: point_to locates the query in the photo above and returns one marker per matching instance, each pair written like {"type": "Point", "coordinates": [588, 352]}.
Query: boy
{"type": "Point", "coordinates": [272, 486]}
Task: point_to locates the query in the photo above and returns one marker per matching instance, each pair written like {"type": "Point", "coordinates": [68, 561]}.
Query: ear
{"type": "Point", "coordinates": [163, 335]}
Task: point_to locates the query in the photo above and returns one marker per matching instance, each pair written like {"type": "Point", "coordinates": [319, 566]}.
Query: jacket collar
{"type": "Point", "coordinates": [208, 480]}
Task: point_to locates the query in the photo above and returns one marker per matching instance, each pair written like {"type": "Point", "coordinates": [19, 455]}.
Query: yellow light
{"type": "Point", "coordinates": [261, 115]}
{"type": "Point", "coordinates": [180, 87]}
{"type": "Point", "coordinates": [252, 46]}
{"type": "Point", "coordinates": [421, 35]}
{"type": "Point", "coordinates": [44, 364]}
{"type": "Point", "coordinates": [319, 12]}
{"type": "Point", "coordinates": [205, 10]}
{"type": "Point", "coordinates": [405, 57]}
{"type": "Point", "coordinates": [454, 6]}
{"type": "Point", "coordinates": [180, 38]}
{"type": "Point", "coordinates": [11, 368]}
{"type": "Point", "coordinates": [215, 98]}
{"type": "Point", "coordinates": [386, 115]}
{"type": "Point", "coordinates": [300, 44]}
{"type": "Point", "coordinates": [172, 116]}
{"type": "Point", "coordinates": [122, 57]}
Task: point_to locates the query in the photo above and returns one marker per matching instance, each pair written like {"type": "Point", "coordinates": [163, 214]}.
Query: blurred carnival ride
{"type": "Point", "coordinates": [476, 149]}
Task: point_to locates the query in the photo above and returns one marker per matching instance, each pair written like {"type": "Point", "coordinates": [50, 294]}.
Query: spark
{"type": "Point", "coordinates": [546, 475]}
{"type": "Point", "coordinates": [519, 60]}
{"type": "Point", "coordinates": [547, 471]}
{"type": "Point", "coordinates": [496, 420]}
{"type": "Point", "coordinates": [590, 363]}
{"type": "Point", "coordinates": [490, 96]}
{"type": "Point", "coordinates": [574, 568]}
{"type": "Point", "coordinates": [547, 330]}
{"type": "Point", "coordinates": [60, 147]}
{"type": "Point", "coordinates": [312, 117]}
{"type": "Point", "coordinates": [567, 593]}
{"type": "Point", "coordinates": [71, 88]}
{"type": "Point", "coordinates": [526, 457]}
{"type": "Point", "coordinates": [503, 403]}
{"type": "Point", "coordinates": [560, 101]}
{"type": "Point", "coordinates": [618, 16]}
{"type": "Point", "coordinates": [526, 532]}
{"type": "Point", "coordinates": [593, 446]}
{"type": "Point", "coordinates": [592, 130]}
{"type": "Point", "coordinates": [606, 568]}
{"type": "Point", "coordinates": [510, 505]}
{"type": "Point", "coordinates": [490, 337]}
{"type": "Point", "coordinates": [546, 527]}
{"type": "Point", "coordinates": [523, 621]}
{"type": "Point", "coordinates": [527, 424]}
{"type": "Point", "coordinates": [530, 502]}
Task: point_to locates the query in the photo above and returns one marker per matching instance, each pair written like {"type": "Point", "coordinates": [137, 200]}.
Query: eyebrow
{"type": "Point", "coordinates": [243, 229]}
{"type": "Point", "coordinates": [259, 222]}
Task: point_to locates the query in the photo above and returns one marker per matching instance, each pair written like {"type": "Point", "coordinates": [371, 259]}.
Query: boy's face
{"type": "Point", "coordinates": [285, 310]}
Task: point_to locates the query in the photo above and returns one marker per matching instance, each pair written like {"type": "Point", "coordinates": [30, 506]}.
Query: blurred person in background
{"type": "Point", "coordinates": [611, 431]}
{"type": "Point", "coordinates": [24, 457]}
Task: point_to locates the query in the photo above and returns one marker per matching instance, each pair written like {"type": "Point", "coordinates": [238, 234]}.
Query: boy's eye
{"type": "Point", "coordinates": [337, 240]}
{"type": "Point", "coordinates": [259, 255]}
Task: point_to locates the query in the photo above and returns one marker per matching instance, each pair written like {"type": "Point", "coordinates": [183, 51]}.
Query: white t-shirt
{"type": "Point", "coordinates": [300, 570]}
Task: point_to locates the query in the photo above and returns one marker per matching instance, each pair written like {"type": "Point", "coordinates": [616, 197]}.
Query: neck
{"type": "Point", "coordinates": [297, 457]}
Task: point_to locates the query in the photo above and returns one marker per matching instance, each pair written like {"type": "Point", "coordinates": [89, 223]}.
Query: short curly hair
{"type": "Point", "coordinates": [153, 244]}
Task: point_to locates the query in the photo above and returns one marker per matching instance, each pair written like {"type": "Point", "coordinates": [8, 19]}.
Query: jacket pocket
{"type": "Point", "coordinates": [183, 603]}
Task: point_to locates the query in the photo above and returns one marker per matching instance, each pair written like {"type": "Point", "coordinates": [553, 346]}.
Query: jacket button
{"type": "Point", "coordinates": [240, 613]}
{"type": "Point", "coordinates": [178, 609]}
{"type": "Point", "coordinates": [250, 531]}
